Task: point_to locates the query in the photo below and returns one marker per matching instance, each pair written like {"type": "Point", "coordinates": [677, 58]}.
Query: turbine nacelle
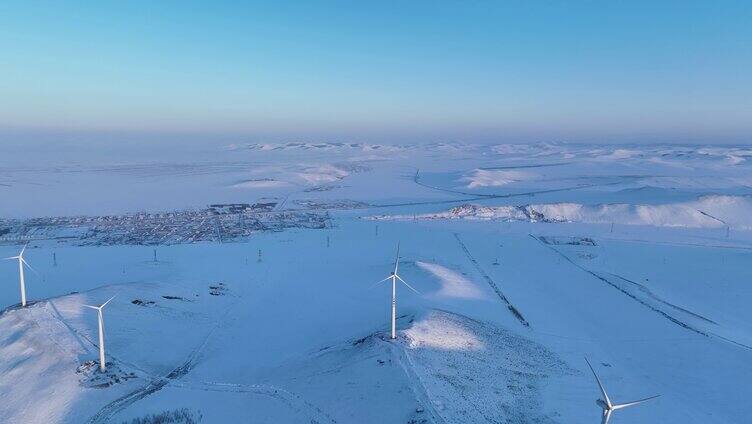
{"type": "Point", "coordinates": [100, 306]}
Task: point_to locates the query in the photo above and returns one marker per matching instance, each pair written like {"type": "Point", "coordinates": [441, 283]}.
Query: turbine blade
{"type": "Point", "coordinates": [10, 257]}
{"type": "Point", "coordinates": [405, 283]}
{"type": "Point", "coordinates": [600, 385]}
{"type": "Point", "coordinates": [92, 307]}
{"type": "Point", "coordinates": [606, 416]}
{"type": "Point", "coordinates": [108, 301]}
{"type": "Point", "coordinates": [396, 261]}
{"type": "Point", "coordinates": [624, 405]}
{"type": "Point", "coordinates": [379, 282]}
{"type": "Point", "coordinates": [23, 249]}
{"type": "Point", "coordinates": [29, 266]}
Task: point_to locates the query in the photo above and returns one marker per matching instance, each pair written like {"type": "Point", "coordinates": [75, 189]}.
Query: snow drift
{"type": "Point", "coordinates": [453, 284]}
{"type": "Point", "coordinates": [495, 178]}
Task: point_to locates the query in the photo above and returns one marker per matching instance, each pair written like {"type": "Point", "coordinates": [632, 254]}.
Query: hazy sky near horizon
{"type": "Point", "coordinates": [578, 71]}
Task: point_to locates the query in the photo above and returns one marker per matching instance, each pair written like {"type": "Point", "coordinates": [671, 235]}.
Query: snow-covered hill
{"type": "Point", "coordinates": [705, 212]}
{"type": "Point", "coordinates": [244, 284]}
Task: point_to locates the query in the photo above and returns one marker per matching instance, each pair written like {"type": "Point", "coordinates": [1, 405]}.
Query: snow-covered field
{"type": "Point", "coordinates": [526, 259]}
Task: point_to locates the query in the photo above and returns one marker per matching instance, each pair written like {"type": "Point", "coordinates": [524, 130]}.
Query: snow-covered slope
{"type": "Point", "coordinates": [245, 296]}
{"type": "Point", "coordinates": [706, 212]}
{"type": "Point", "coordinates": [38, 361]}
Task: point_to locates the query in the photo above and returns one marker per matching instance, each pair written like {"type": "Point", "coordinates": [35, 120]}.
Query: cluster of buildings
{"type": "Point", "coordinates": [216, 223]}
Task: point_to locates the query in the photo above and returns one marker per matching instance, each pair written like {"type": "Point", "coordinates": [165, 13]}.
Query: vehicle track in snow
{"type": "Point", "coordinates": [650, 294]}
{"type": "Point", "coordinates": [476, 196]}
{"type": "Point", "coordinates": [172, 379]}
{"type": "Point", "coordinates": [156, 384]}
{"type": "Point", "coordinates": [513, 309]}
{"type": "Point", "coordinates": [416, 385]}
{"type": "Point", "coordinates": [291, 399]}
{"type": "Point", "coordinates": [648, 304]}
{"type": "Point", "coordinates": [678, 243]}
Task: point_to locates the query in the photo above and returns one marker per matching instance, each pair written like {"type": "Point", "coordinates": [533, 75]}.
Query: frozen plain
{"type": "Point", "coordinates": [527, 258]}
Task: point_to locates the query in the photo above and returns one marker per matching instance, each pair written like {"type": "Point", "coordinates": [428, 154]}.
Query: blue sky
{"type": "Point", "coordinates": [671, 71]}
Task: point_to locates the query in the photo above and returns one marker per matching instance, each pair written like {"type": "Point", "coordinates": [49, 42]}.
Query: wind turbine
{"type": "Point", "coordinates": [605, 403]}
{"type": "Point", "coordinates": [394, 277]}
{"type": "Point", "coordinates": [21, 278]}
{"type": "Point", "coordinates": [100, 321]}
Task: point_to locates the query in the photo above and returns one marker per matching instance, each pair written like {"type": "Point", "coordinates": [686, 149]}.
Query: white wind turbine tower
{"type": "Point", "coordinates": [21, 277]}
{"type": "Point", "coordinates": [605, 403]}
{"type": "Point", "coordinates": [100, 321]}
{"type": "Point", "coordinates": [394, 277]}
